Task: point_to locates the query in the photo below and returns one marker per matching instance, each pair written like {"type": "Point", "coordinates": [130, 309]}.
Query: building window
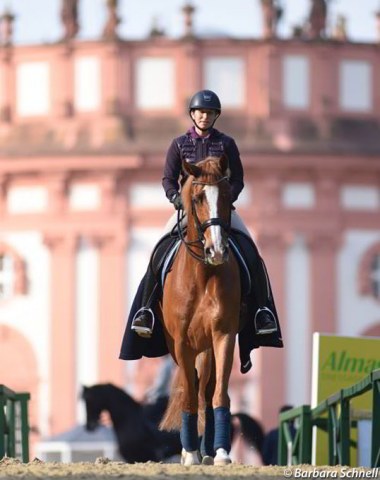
{"type": "Point", "coordinates": [155, 83]}
{"type": "Point", "coordinates": [375, 276]}
{"type": "Point", "coordinates": [87, 84]}
{"type": "Point", "coordinates": [369, 273]}
{"type": "Point", "coordinates": [6, 276]}
{"type": "Point", "coordinates": [360, 197]}
{"type": "Point", "coordinates": [298, 195]}
{"type": "Point", "coordinates": [222, 72]}
{"type": "Point", "coordinates": [27, 199]}
{"type": "Point", "coordinates": [296, 82]}
{"type": "Point", "coordinates": [355, 92]}
{"type": "Point", "coordinates": [84, 196]}
{"type": "Point", "coordinates": [33, 89]}
{"type": "Point", "coordinates": [12, 273]}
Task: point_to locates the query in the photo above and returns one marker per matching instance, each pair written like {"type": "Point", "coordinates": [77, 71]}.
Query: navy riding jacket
{"type": "Point", "coordinates": [193, 148]}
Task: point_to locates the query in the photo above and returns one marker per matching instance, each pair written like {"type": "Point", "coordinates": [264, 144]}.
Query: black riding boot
{"type": "Point", "coordinates": [143, 321]}
{"type": "Point", "coordinates": [265, 316]}
{"type": "Point", "coordinates": [265, 321]}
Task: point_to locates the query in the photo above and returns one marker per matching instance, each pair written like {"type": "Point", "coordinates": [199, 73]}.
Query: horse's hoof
{"type": "Point", "coordinates": [207, 460]}
{"type": "Point", "coordinates": [222, 457]}
{"type": "Point", "coordinates": [190, 458]}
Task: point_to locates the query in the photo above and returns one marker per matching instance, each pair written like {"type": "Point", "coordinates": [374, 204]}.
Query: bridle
{"type": "Point", "coordinates": [201, 227]}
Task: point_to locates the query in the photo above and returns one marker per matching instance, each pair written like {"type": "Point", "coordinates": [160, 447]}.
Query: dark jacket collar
{"type": "Point", "coordinates": [193, 134]}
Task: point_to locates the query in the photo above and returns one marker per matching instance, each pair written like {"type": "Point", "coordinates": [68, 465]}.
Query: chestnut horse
{"type": "Point", "coordinates": [200, 306]}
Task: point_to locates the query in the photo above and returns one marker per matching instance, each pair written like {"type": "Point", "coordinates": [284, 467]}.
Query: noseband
{"type": "Point", "coordinates": [202, 227]}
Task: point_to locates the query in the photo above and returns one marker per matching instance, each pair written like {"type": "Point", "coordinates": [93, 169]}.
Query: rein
{"type": "Point", "coordinates": [201, 227]}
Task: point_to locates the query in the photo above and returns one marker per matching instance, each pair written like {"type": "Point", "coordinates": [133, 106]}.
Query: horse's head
{"type": "Point", "coordinates": [207, 199]}
{"type": "Point", "coordinates": [94, 408]}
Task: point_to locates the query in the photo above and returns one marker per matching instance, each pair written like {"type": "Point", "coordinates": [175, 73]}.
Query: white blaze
{"type": "Point", "coordinates": [212, 193]}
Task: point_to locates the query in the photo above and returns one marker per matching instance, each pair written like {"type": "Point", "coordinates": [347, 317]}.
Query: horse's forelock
{"type": "Point", "coordinates": [211, 172]}
{"type": "Point", "coordinates": [211, 169]}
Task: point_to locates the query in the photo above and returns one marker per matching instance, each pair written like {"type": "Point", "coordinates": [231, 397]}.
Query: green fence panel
{"type": "Point", "coordinates": [13, 406]}
{"type": "Point", "coordinates": [375, 447]}
{"type": "Point", "coordinates": [338, 425]}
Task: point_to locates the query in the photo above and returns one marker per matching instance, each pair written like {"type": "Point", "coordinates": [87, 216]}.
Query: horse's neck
{"type": "Point", "coordinates": [119, 405]}
{"type": "Point", "coordinates": [191, 231]}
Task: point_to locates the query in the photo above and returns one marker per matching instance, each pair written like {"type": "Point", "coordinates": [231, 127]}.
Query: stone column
{"type": "Point", "coordinates": [273, 249]}
{"type": "Point", "coordinates": [7, 72]}
{"type": "Point", "coordinates": [63, 394]}
{"type": "Point", "coordinates": [63, 79]}
{"type": "Point", "coordinates": [112, 271]}
{"type": "Point", "coordinates": [57, 185]}
{"type": "Point", "coordinates": [112, 78]}
{"type": "Point", "coordinates": [3, 194]}
{"type": "Point", "coordinates": [323, 247]}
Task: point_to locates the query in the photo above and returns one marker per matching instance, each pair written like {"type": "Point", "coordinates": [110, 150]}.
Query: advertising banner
{"type": "Point", "coordinates": [340, 362]}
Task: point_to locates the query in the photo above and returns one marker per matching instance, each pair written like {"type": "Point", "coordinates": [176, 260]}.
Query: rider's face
{"type": "Point", "coordinates": [204, 118]}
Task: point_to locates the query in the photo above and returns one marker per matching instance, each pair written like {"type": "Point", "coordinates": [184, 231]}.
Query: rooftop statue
{"type": "Point", "coordinates": [272, 13]}
{"type": "Point", "coordinates": [109, 31]}
{"type": "Point", "coordinates": [317, 19]}
{"type": "Point", "coordinates": [69, 16]}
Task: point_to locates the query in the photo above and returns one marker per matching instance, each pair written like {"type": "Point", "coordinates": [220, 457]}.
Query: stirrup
{"type": "Point", "coordinates": [140, 329]}
{"type": "Point", "coordinates": [266, 331]}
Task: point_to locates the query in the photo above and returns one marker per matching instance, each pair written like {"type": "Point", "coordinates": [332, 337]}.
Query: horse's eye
{"type": "Point", "coordinates": [198, 198]}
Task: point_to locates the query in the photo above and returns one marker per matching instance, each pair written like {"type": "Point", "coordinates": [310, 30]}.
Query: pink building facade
{"type": "Point", "coordinates": [84, 128]}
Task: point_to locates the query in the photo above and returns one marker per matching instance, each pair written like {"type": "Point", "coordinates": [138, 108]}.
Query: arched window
{"type": "Point", "coordinates": [6, 276]}
{"type": "Point", "coordinates": [375, 276]}
{"type": "Point", "coordinates": [12, 273]}
{"type": "Point", "coordinates": [369, 272]}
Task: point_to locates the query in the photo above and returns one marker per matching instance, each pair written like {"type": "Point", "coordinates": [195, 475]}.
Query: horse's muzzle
{"type": "Point", "coordinates": [216, 256]}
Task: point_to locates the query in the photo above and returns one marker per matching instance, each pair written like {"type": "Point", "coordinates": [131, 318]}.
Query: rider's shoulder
{"type": "Point", "coordinates": [223, 136]}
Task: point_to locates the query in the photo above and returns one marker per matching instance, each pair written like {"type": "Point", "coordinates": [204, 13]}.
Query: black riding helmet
{"type": "Point", "coordinates": [205, 99]}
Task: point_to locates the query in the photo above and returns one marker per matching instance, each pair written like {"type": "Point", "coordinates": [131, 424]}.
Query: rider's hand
{"type": "Point", "coordinates": [176, 200]}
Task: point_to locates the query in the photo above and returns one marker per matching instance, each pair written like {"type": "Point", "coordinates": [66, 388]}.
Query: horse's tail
{"type": "Point", "coordinates": [172, 417]}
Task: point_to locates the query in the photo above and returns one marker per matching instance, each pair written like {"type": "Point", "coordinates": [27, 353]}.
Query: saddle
{"type": "Point", "coordinates": [166, 250]}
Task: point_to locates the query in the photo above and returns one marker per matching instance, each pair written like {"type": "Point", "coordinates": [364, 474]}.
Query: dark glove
{"type": "Point", "coordinates": [176, 200]}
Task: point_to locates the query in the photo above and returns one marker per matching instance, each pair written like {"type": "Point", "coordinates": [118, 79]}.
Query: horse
{"type": "Point", "coordinates": [200, 315]}
{"type": "Point", "coordinates": [136, 424]}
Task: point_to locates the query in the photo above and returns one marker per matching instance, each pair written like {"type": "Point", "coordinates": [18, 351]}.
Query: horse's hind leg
{"type": "Point", "coordinates": [224, 351]}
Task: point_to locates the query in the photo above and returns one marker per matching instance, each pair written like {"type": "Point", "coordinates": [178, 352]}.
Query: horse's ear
{"type": "Point", "coordinates": [224, 165]}
{"type": "Point", "coordinates": [191, 168]}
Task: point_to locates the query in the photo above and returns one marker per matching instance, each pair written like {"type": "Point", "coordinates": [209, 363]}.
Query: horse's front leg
{"type": "Point", "coordinates": [224, 351]}
{"type": "Point", "coordinates": [189, 426]}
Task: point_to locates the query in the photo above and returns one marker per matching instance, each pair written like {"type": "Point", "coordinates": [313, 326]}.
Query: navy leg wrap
{"type": "Point", "coordinates": [207, 444]}
{"type": "Point", "coordinates": [189, 431]}
{"type": "Point", "coordinates": [222, 417]}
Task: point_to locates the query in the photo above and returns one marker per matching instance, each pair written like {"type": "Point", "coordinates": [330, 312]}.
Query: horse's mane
{"type": "Point", "coordinates": [111, 391]}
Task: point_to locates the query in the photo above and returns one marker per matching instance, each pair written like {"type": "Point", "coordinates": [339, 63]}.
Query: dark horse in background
{"type": "Point", "coordinates": [201, 315]}
{"type": "Point", "coordinates": [136, 425]}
